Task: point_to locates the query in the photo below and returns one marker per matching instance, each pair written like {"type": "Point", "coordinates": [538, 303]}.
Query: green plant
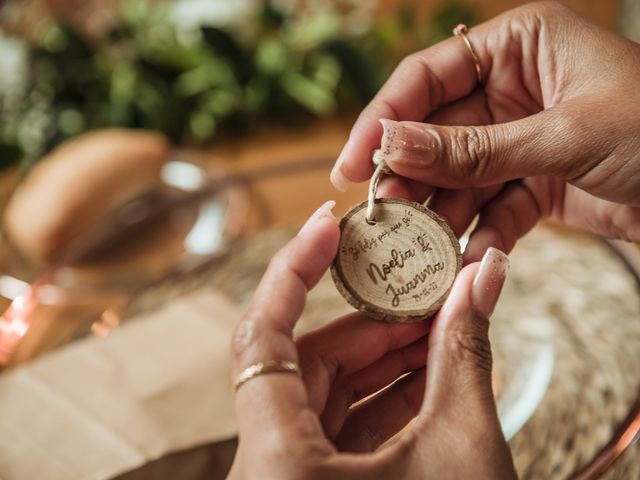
{"type": "Point", "coordinates": [144, 73]}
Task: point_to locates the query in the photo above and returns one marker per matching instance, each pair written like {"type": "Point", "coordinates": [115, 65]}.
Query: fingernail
{"type": "Point", "coordinates": [338, 179]}
{"type": "Point", "coordinates": [489, 281]}
{"type": "Point", "coordinates": [409, 142]}
{"type": "Point", "coordinates": [323, 211]}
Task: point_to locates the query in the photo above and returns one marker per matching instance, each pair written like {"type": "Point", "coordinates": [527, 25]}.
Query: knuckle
{"type": "Point", "coordinates": [551, 13]}
{"type": "Point", "coordinates": [549, 7]}
{"type": "Point", "coordinates": [409, 61]}
{"type": "Point", "coordinates": [541, 8]}
{"type": "Point", "coordinates": [301, 440]}
{"type": "Point", "coordinates": [415, 66]}
{"type": "Point", "coordinates": [533, 16]}
{"type": "Point", "coordinates": [575, 128]}
{"type": "Point", "coordinates": [244, 337]}
{"type": "Point", "coordinates": [279, 261]}
{"type": "Point", "coordinates": [469, 151]}
{"type": "Point", "coordinates": [278, 445]}
{"type": "Point", "coordinates": [472, 347]}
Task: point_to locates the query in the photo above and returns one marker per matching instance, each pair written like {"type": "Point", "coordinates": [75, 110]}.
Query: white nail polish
{"type": "Point", "coordinates": [338, 179]}
{"type": "Point", "coordinates": [410, 143]}
{"type": "Point", "coordinates": [323, 211]}
{"type": "Point", "coordinates": [489, 281]}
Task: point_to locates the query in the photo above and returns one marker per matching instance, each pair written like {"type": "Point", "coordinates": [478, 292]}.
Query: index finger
{"type": "Point", "coordinates": [421, 83]}
{"type": "Point", "coordinates": [268, 402]}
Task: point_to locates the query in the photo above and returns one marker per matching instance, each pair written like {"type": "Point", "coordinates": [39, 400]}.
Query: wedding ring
{"type": "Point", "coordinates": [262, 368]}
{"type": "Point", "coordinates": [461, 31]}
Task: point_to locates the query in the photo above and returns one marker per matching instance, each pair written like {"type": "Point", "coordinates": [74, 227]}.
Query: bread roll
{"type": "Point", "coordinates": [77, 183]}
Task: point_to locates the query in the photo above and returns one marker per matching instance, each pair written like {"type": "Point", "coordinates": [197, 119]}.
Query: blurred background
{"type": "Point", "coordinates": [155, 154]}
{"type": "Point", "coordinates": [224, 77]}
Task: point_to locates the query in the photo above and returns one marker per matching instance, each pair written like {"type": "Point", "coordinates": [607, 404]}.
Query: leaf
{"type": "Point", "coordinates": [202, 125]}
{"type": "Point", "coordinates": [226, 47]}
{"type": "Point", "coordinates": [221, 102]}
{"type": "Point", "coordinates": [359, 70]}
{"type": "Point", "coordinates": [144, 74]}
{"type": "Point", "coordinates": [54, 40]}
{"type": "Point", "coordinates": [213, 73]}
{"type": "Point", "coordinates": [310, 34]}
{"type": "Point", "coordinates": [315, 97]}
{"type": "Point", "coordinates": [326, 69]}
{"type": "Point", "coordinates": [271, 56]}
{"type": "Point", "coordinates": [123, 81]}
{"type": "Point", "coordinates": [70, 121]}
{"type": "Point", "coordinates": [135, 12]}
{"type": "Point", "coordinates": [256, 95]}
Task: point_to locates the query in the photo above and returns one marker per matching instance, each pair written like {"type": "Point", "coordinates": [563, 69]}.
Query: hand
{"type": "Point", "coordinates": [309, 427]}
{"type": "Point", "coordinates": [556, 129]}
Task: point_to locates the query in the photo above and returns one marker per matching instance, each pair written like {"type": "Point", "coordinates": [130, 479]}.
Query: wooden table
{"type": "Point", "coordinates": [289, 199]}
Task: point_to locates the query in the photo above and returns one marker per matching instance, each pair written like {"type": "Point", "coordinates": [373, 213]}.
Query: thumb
{"type": "Point", "coordinates": [459, 360]}
{"type": "Point", "coordinates": [459, 412]}
{"type": "Point", "coordinates": [269, 403]}
{"type": "Point", "coordinates": [553, 142]}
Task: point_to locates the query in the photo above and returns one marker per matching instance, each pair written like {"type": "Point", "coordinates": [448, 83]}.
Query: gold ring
{"type": "Point", "coordinates": [461, 31]}
{"type": "Point", "coordinates": [262, 368]}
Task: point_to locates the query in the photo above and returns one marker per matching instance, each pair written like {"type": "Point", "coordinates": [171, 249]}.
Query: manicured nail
{"type": "Point", "coordinates": [338, 179]}
{"type": "Point", "coordinates": [489, 281]}
{"type": "Point", "coordinates": [409, 142]}
{"type": "Point", "coordinates": [323, 211]}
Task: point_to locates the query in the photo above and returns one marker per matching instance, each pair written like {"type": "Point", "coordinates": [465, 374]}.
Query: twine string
{"type": "Point", "coordinates": [381, 169]}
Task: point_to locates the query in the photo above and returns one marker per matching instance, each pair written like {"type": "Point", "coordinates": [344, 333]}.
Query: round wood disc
{"type": "Point", "coordinates": [400, 268]}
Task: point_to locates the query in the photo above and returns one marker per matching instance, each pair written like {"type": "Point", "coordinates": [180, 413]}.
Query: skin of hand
{"type": "Point", "coordinates": [363, 380]}
{"type": "Point", "coordinates": [553, 132]}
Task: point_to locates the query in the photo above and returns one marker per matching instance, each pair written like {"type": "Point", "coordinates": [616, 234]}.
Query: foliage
{"type": "Point", "coordinates": [145, 73]}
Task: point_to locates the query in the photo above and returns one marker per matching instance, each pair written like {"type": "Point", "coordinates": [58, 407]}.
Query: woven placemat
{"type": "Point", "coordinates": [566, 290]}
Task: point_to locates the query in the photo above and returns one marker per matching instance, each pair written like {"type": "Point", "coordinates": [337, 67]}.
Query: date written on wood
{"type": "Point", "coordinates": [402, 267]}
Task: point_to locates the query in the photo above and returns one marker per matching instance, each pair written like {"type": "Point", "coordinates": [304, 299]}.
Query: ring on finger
{"type": "Point", "coordinates": [263, 368]}
{"type": "Point", "coordinates": [461, 31]}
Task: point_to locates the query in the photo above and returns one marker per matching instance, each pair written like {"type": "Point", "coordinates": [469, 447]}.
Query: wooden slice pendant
{"type": "Point", "coordinates": [399, 268]}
